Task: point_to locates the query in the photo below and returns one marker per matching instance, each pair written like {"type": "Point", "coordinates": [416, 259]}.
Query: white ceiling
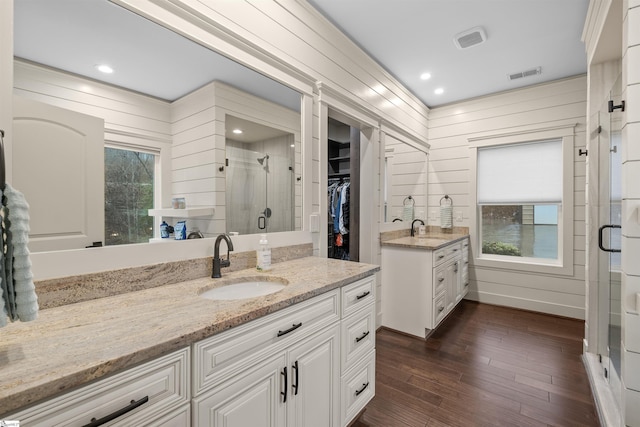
{"type": "Point", "coordinates": [76, 35]}
{"type": "Point", "coordinates": [407, 37]}
{"type": "Point", "coordinates": [411, 37]}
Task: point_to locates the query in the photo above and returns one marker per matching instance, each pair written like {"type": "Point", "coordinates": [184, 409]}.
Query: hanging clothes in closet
{"type": "Point", "coordinates": [18, 300]}
{"type": "Point", "coordinates": [338, 201]}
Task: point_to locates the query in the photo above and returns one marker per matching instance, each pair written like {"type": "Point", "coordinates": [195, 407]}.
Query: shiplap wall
{"type": "Point", "coordinates": [406, 176]}
{"type": "Point", "coordinates": [557, 103]}
{"type": "Point", "coordinates": [123, 111]}
{"type": "Point", "coordinates": [199, 145]}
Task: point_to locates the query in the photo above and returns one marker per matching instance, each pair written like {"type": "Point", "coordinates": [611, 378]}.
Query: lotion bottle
{"type": "Point", "coordinates": [263, 254]}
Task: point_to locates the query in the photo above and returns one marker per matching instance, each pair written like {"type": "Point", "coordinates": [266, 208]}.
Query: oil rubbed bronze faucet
{"type": "Point", "coordinates": [217, 262]}
{"type": "Point", "coordinates": [413, 230]}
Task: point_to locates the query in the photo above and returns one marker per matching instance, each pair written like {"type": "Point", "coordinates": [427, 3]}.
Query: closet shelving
{"type": "Point", "coordinates": [339, 159]}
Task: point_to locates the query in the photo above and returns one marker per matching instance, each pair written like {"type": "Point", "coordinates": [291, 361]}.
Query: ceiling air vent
{"type": "Point", "coordinates": [528, 73]}
{"type": "Point", "coordinates": [469, 38]}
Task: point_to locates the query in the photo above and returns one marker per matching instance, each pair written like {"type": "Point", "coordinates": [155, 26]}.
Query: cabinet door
{"type": "Point", "coordinates": [253, 398]}
{"type": "Point", "coordinates": [315, 381]}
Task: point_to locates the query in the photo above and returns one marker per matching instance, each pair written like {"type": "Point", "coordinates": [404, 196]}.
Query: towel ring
{"type": "Point", "coordinates": [447, 198]}
{"type": "Point", "coordinates": [410, 199]}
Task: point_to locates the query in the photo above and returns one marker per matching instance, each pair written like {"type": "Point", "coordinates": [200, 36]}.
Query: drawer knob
{"type": "Point", "coordinates": [363, 336]}
{"type": "Point", "coordinates": [441, 279]}
{"type": "Point", "coordinates": [440, 256]}
{"type": "Point", "coordinates": [364, 387]}
{"type": "Point", "coordinates": [441, 309]}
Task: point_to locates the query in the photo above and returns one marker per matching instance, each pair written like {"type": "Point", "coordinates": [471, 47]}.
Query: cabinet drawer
{"type": "Point", "coordinates": [358, 336]}
{"type": "Point", "coordinates": [358, 387]}
{"type": "Point", "coordinates": [439, 308]}
{"type": "Point", "coordinates": [161, 385]}
{"type": "Point", "coordinates": [357, 295]}
{"type": "Point", "coordinates": [442, 254]}
{"type": "Point", "coordinates": [217, 357]}
{"type": "Point", "coordinates": [439, 280]}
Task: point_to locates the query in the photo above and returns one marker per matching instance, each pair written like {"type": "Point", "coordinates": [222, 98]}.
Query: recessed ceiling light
{"type": "Point", "coordinates": [104, 68]}
{"type": "Point", "coordinates": [425, 76]}
{"type": "Point", "coordinates": [439, 91]}
{"type": "Point", "coordinates": [237, 131]}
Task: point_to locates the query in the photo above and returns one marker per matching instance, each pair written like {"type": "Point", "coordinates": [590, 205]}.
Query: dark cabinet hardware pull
{"type": "Point", "coordinates": [600, 231]}
{"type": "Point", "coordinates": [262, 222]}
{"type": "Point", "coordinates": [455, 267]}
{"type": "Point", "coordinates": [295, 385]}
{"type": "Point", "coordinates": [364, 387]}
{"type": "Point", "coordinates": [362, 337]}
{"type": "Point", "coordinates": [441, 279]}
{"type": "Point", "coordinates": [455, 250]}
{"type": "Point", "coordinates": [291, 329]}
{"type": "Point", "coordinates": [441, 309]}
{"type": "Point", "coordinates": [284, 393]}
{"type": "Point", "coordinates": [362, 295]}
{"type": "Point", "coordinates": [120, 412]}
{"type": "Point", "coordinates": [441, 256]}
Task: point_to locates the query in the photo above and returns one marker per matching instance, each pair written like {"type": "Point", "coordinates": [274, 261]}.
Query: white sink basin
{"type": "Point", "coordinates": [244, 289]}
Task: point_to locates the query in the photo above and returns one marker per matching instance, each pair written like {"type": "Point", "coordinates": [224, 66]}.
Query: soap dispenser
{"type": "Point", "coordinates": [263, 254]}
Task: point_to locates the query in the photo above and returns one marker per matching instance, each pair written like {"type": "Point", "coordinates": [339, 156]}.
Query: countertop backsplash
{"type": "Point", "coordinates": [72, 289]}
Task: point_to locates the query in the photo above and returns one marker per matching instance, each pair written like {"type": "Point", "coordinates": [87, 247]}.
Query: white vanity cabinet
{"type": "Point", "coordinates": [421, 286]}
{"type": "Point", "coordinates": [309, 364]}
{"type": "Point", "coordinates": [156, 393]}
{"type": "Point", "coordinates": [302, 366]}
{"type": "Point", "coordinates": [280, 370]}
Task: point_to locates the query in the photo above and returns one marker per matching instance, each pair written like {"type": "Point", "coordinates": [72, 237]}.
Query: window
{"type": "Point", "coordinates": [524, 198]}
{"type": "Point", "coordinates": [129, 190]}
{"type": "Point", "coordinates": [519, 194]}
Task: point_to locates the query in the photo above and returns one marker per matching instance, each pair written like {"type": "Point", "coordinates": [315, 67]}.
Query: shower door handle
{"type": "Point", "coordinates": [600, 243]}
{"type": "Point", "coordinates": [262, 224]}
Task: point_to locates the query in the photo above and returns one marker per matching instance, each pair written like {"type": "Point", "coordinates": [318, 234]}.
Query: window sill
{"type": "Point", "coordinates": [531, 265]}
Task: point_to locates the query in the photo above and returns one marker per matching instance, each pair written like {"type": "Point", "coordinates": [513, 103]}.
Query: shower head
{"type": "Point", "coordinates": [262, 159]}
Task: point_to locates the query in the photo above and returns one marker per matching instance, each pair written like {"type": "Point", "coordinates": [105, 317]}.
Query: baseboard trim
{"type": "Point", "coordinates": [527, 304]}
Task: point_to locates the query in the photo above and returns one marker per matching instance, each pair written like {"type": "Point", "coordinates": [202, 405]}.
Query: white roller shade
{"type": "Point", "coordinates": [520, 173]}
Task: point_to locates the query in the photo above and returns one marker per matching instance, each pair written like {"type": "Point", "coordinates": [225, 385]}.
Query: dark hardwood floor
{"type": "Point", "coordinates": [484, 366]}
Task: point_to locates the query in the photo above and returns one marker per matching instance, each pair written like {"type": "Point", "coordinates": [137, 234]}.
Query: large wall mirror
{"type": "Point", "coordinates": [166, 114]}
{"type": "Point", "coordinates": [404, 183]}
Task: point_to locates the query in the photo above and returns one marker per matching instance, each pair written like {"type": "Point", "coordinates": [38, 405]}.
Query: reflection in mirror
{"type": "Point", "coordinates": [404, 174]}
{"type": "Point", "coordinates": [58, 45]}
{"type": "Point", "coordinates": [260, 185]}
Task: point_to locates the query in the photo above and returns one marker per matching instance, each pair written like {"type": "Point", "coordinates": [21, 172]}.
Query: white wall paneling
{"type": "Point", "coordinates": [547, 106]}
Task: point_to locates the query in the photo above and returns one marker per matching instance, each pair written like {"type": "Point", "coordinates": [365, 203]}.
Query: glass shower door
{"type": "Point", "coordinates": [609, 241]}
{"type": "Point", "coordinates": [259, 191]}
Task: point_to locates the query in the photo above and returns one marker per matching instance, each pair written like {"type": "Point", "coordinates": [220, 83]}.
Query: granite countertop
{"type": "Point", "coordinates": [430, 241]}
{"type": "Point", "coordinates": [71, 345]}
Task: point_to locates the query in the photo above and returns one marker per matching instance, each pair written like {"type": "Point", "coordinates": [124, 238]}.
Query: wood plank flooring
{"type": "Point", "coordinates": [484, 366]}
